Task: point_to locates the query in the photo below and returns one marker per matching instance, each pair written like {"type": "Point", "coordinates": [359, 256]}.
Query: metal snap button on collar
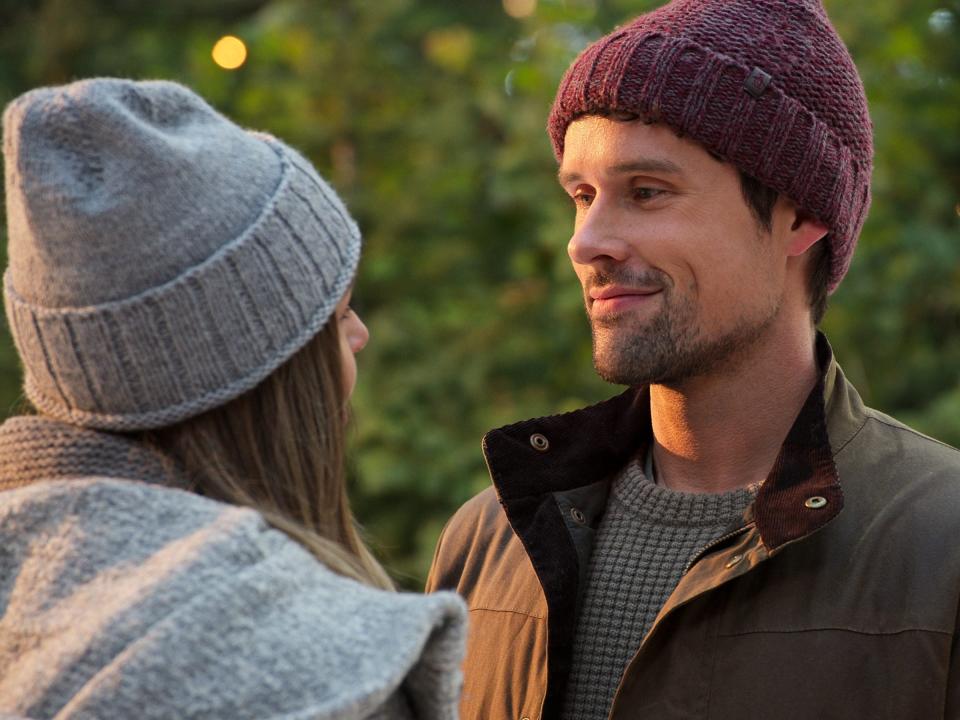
{"type": "Point", "coordinates": [539, 442]}
{"type": "Point", "coordinates": [816, 502]}
{"type": "Point", "coordinates": [577, 515]}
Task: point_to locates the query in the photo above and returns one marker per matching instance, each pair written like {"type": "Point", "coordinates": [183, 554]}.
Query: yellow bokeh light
{"type": "Point", "coordinates": [229, 52]}
{"type": "Point", "coordinates": [520, 8]}
{"type": "Point", "coordinates": [450, 48]}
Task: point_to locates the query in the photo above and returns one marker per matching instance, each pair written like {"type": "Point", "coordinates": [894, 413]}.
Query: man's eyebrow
{"type": "Point", "coordinates": [645, 165]}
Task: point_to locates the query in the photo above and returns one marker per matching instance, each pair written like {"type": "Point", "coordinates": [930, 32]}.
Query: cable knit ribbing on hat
{"type": "Point", "coordinates": [222, 299]}
{"type": "Point", "coordinates": [693, 64]}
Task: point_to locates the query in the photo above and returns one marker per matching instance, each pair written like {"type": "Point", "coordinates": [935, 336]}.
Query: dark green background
{"type": "Point", "coordinates": [428, 117]}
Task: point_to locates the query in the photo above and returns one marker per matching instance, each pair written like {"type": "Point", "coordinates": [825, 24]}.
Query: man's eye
{"type": "Point", "coordinates": [646, 193]}
{"type": "Point", "coordinates": [581, 199]}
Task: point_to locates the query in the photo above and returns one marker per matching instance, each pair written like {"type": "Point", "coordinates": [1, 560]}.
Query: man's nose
{"type": "Point", "coordinates": [598, 237]}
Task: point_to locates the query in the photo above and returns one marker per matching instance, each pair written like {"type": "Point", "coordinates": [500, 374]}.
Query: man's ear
{"type": "Point", "coordinates": [804, 232]}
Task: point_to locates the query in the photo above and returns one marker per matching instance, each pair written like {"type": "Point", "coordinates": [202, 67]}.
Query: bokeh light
{"type": "Point", "coordinates": [229, 52]}
{"type": "Point", "coordinates": [451, 48]}
{"type": "Point", "coordinates": [520, 8]}
{"type": "Point", "coordinates": [941, 20]}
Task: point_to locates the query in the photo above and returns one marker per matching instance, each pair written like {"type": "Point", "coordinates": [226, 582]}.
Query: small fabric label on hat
{"type": "Point", "coordinates": [758, 82]}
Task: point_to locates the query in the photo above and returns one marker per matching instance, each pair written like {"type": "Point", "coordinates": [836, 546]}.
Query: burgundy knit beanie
{"type": "Point", "coordinates": [765, 84]}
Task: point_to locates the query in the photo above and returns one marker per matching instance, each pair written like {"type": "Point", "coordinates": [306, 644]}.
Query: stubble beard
{"type": "Point", "coordinates": [671, 347]}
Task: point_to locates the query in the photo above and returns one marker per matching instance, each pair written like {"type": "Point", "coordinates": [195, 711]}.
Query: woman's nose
{"type": "Point", "coordinates": [359, 335]}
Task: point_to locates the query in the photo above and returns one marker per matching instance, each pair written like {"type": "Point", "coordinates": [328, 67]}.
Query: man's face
{"type": "Point", "coordinates": [679, 278]}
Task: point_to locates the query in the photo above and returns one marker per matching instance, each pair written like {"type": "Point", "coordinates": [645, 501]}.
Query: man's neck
{"type": "Point", "coordinates": [724, 430]}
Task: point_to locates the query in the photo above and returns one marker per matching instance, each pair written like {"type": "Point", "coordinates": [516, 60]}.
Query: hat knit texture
{"type": "Point", "coordinates": [162, 260]}
{"type": "Point", "coordinates": [766, 84]}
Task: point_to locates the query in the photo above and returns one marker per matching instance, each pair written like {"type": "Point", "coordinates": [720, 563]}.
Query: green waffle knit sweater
{"type": "Point", "coordinates": [647, 536]}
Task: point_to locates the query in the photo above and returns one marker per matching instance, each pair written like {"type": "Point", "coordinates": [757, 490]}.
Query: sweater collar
{"type": "Point", "coordinates": [35, 448]}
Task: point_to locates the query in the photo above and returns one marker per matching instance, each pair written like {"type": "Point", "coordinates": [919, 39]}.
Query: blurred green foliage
{"type": "Point", "coordinates": [428, 117]}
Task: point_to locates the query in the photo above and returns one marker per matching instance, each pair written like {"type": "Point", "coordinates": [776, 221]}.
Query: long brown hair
{"type": "Point", "coordinates": [280, 450]}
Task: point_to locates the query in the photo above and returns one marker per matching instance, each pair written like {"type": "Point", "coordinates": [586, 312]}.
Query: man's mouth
{"type": "Point", "coordinates": [611, 299]}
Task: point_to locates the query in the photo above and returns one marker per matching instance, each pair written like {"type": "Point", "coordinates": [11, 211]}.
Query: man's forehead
{"type": "Point", "coordinates": [620, 147]}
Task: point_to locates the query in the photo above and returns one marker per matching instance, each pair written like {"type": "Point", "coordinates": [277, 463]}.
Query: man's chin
{"type": "Point", "coordinates": [620, 371]}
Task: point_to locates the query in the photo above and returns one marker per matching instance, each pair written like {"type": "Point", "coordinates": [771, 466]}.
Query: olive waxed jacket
{"type": "Point", "coordinates": [835, 597]}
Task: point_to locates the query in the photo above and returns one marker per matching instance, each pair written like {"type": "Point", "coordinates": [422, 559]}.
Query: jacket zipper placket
{"type": "Point", "coordinates": [714, 543]}
{"type": "Point", "coordinates": [696, 557]}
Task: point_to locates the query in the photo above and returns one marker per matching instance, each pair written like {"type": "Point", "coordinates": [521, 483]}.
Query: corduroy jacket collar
{"type": "Point", "coordinates": [587, 446]}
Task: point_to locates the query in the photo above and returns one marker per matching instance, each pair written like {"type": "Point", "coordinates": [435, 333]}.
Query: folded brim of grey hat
{"type": "Point", "coordinates": [205, 337]}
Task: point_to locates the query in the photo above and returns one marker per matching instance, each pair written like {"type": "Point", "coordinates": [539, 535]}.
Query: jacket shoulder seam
{"type": "Point", "coordinates": [907, 429]}
{"type": "Point", "coordinates": [852, 437]}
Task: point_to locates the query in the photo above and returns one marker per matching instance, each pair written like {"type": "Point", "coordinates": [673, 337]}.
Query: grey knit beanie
{"type": "Point", "coordinates": [163, 260]}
